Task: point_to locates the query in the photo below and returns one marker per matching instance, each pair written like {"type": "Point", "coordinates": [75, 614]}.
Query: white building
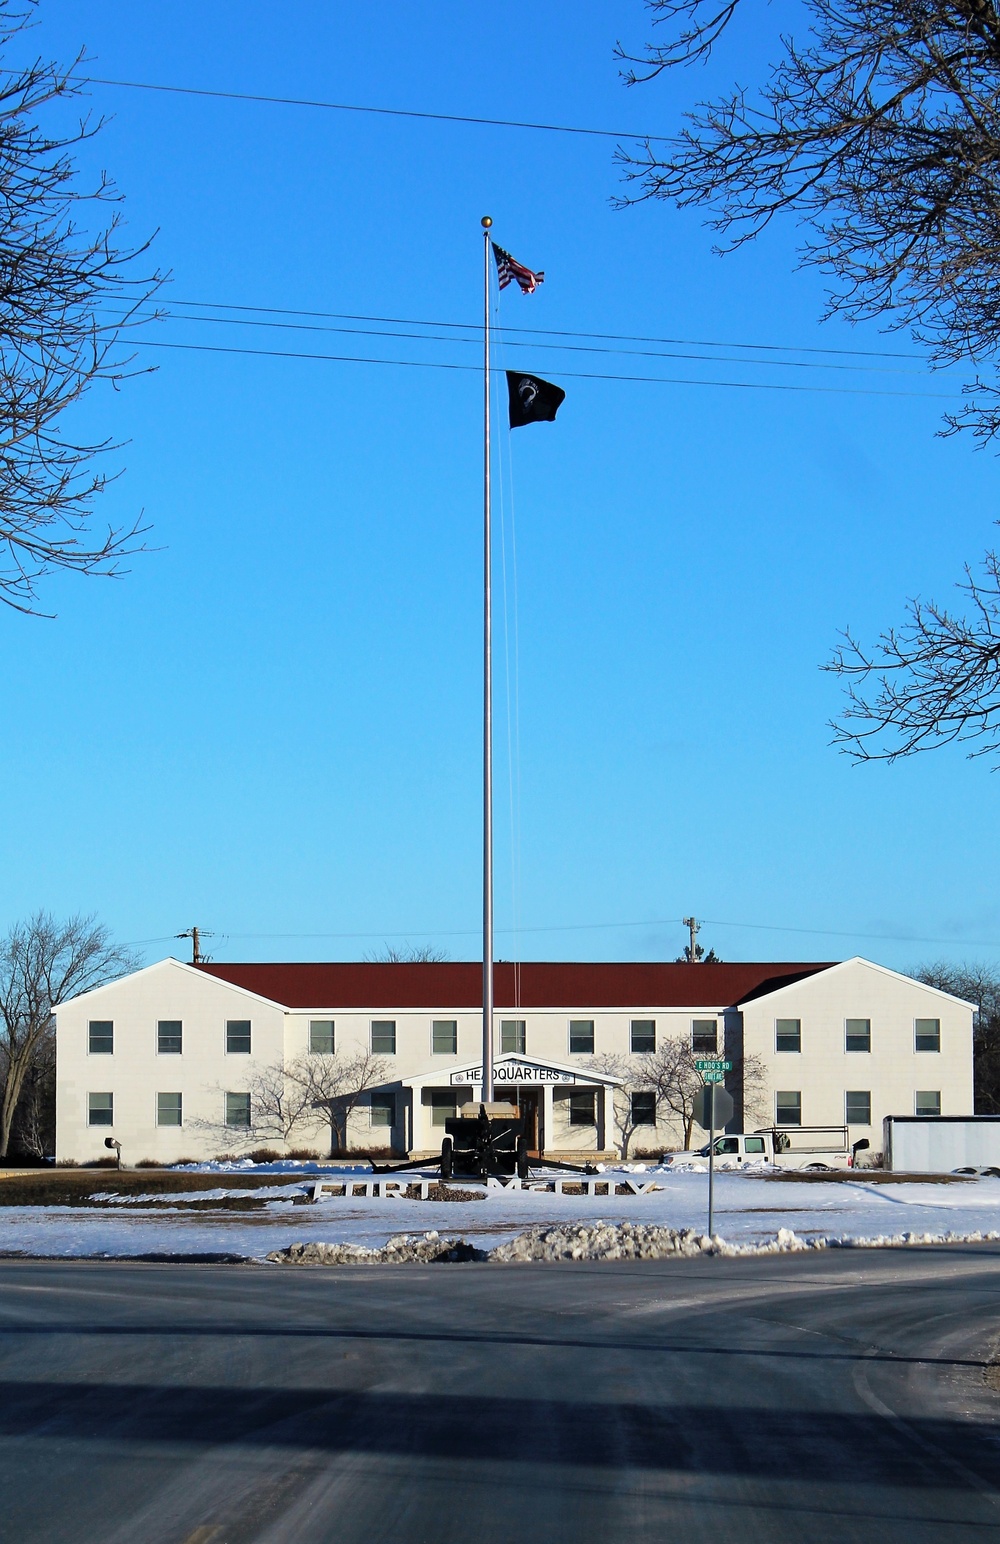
{"type": "Point", "coordinates": [164, 1060]}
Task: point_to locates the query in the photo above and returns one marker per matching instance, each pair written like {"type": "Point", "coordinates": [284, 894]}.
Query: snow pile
{"type": "Point", "coordinates": [403, 1249]}
{"type": "Point", "coordinates": [603, 1241]}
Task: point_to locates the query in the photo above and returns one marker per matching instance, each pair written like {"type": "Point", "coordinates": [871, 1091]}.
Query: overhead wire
{"type": "Point", "coordinates": [580, 375]}
{"type": "Point", "coordinates": [356, 107]}
{"type": "Point", "coordinates": [142, 319]}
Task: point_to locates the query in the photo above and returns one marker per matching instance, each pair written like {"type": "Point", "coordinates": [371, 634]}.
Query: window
{"type": "Point", "coordinates": [383, 1109]}
{"type": "Point", "coordinates": [704, 1037]}
{"type": "Point", "coordinates": [384, 1037]}
{"type": "Point", "coordinates": [170, 1037]}
{"type": "Point", "coordinates": [238, 1111]}
{"type": "Point", "coordinates": [858, 1035]}
{"type": "Point", "coordinates": [927, 1035]}
{"type": "Point", "coordinates": [168, 1110]}
{"type": "Point", "coordinates": [582, 1109]}
{"type": "Point", "coordinates": [858, 1107]}
{"type": "Point", "coordinates": [788, 1108]}
{"type": "Point", "coordinates": [643, 1036]}
{"type": "Point", "coordinates": [444, 1037]}
{"type": "Point", "coordinates": [788, 1035]}
{"type": "Point", "coordinates": [321, 1037]}
{"type": "Point", "coordinates": [102, 1037]}
{"type": "Point", "coordinates": [581, 1036]}
{"type": "Point", "coordinates": [644, 1109]}
{"type": "Point", "coordinates": [927, 1101]}
{"type": "Point", "coordinates": [753, 1144]}
{"type": "Point", "coordinates": [443, 1106]}
{"type": "Point", "coordinates": [512, 1036]}
{"type": "Point", "coordinates": [727, 1145]}
{"type": "Point", "coordinates": [100, 1109]}
{"type": "Point", "coordinates": [238, 1037]}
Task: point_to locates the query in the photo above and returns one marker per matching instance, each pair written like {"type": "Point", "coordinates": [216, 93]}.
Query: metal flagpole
{"type": "Point", "coordinates": [487, 690]}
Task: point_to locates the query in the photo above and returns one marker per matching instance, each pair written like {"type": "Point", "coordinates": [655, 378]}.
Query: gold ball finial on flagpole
{"type": "Point", "coordinates": [486, 222]}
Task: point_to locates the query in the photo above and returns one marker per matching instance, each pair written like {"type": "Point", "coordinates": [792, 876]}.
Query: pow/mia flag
{"type": "Point", "coordinates": [532, 400]}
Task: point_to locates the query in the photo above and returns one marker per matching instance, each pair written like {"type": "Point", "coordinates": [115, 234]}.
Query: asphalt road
{"type": "Point", "coordinates": [828, 1397]}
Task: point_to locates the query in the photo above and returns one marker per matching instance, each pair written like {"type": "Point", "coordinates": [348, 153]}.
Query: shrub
{"type": "Point", "coordinates": [304, 1152]}
{"type": "Point", "coordinates": [264, 1155]}
{"type": "Point", "coordinates": [149, 1163]}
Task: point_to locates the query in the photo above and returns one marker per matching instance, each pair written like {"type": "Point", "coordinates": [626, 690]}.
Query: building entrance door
{"type": "Point", "coordinates": [529, 1102]}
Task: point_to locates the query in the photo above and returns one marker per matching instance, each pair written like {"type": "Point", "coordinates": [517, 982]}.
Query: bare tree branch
{"type": "Point", "coordinates": [932, 681]}
{"type": "Point", "coordinates": [67, 295]}
{"type": "Point", "coordinates": [880, 131]}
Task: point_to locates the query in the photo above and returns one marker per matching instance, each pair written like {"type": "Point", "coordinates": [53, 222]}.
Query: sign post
{"type": "Point", "coordinates": [713, 1105]}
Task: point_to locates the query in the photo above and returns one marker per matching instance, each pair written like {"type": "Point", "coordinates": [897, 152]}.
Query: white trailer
{"type": "Point", "coordinates": [939, 1144]}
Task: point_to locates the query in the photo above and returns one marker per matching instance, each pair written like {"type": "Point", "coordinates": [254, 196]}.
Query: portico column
{"type": "Point", "coordinates": [547, 1117]}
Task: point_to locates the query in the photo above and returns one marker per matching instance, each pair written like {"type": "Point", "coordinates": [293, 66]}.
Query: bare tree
{"type": "Point", "coordinates": [613, 1065]}
{"type": "Point", "coordinates": [979, 984]}
{"type": "Point", "coordinates": [67, 294]}
{"type": "Point", "coordinates": [671, 1075]}
{"type": "Point", "coordinates": [279, 1102]}
{"type": "Point", "coordinates": [42, 963]}
{"type": "Point", "coordinates": [407, 954]}
{"type": "Point", "coordinates": [335, 1085]}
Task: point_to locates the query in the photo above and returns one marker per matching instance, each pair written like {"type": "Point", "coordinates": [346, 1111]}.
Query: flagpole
{"type": "Point", "coordinates": [487, 689]}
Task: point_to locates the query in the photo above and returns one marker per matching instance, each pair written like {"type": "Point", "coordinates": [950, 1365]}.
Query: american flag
{"type": "Point", "coordinates": [509, 268]}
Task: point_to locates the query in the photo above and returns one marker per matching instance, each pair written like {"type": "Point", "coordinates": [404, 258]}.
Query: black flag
{"type": "Point", "coordinates": [532, 400]}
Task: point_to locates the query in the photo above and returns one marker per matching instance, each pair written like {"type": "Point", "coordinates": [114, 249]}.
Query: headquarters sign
{"type": "Point", "coordinates": [516, 1072]}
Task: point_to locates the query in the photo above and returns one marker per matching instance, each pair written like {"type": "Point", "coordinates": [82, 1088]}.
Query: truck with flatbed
{"type": "Point", "coordinates": [782, 1147]}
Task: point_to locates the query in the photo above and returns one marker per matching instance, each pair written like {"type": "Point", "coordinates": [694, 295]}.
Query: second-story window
{"type": "Point", "coordinates": [642, 1034]}
{"type": "Point", "coordinates": [444, 1037]}
{"type": "Point", "coordinates": [927, 1034]}
{"type": "Point", "coordinates": [238, 1037]}
{"type": "Point", "coordinates": [788, 1034]}
{"type": "Point", "coordinates": [512, 1036]}
{"type": "Point", "coordinates": [321, 1037]}
{"type": "Point", "coordinates": [383, 1037]}
{"type": "Point", "coordinates": [858, 1035]}
{"type": "Point", "coordinates": [581, 1036]}
{"type": "Point", "coordinates": [102, 1037]}
{"type": "Point", "coordinates": [704, 1037]}
{"type": "Point", "coordinates": [170, 1037]}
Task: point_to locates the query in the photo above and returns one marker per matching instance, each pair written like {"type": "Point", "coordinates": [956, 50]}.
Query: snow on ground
{"type": "Point", "coordinates": [749, 1208]}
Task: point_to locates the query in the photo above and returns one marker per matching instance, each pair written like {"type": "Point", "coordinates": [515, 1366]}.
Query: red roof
{"type": "Point", "coordinates": [459, 984]}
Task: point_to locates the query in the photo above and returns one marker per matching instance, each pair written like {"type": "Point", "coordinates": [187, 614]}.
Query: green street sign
{"type": "Point", "coordinates": [714, 1077]}
{"type": "Point", "coordinates": [713, 1065]}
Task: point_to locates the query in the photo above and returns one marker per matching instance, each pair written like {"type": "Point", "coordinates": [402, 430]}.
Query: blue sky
{"type": "Point", "coordinates": [271, 727]}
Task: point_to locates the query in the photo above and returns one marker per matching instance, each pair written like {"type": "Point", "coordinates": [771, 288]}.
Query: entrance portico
{"type": "Point", "coordinates": [567, 1110]}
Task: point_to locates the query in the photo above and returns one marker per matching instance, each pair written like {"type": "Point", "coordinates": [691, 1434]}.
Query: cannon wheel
{"type": "Point", "coordinates": [522, 1157]}
{"type": "Point", "coordinates": [447, 1158]}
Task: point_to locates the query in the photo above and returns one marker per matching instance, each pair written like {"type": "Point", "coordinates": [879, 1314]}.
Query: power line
{"type": "Point", "coordinates": [580, 375]}
{"type": "Point", "coordinates": [548, 332]}
{"type": "Point", "coordinates": [354, 107]}
{"type": "Point", "coordinates": [585, 927]}
{"type": "Point", "coordinates": [141, 319]}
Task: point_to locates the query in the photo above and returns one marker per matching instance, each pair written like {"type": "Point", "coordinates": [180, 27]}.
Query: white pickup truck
{"type": "Point", "coordinates": [786, 1147]}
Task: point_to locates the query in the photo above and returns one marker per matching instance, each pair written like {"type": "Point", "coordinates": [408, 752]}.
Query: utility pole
{"type": "Point", "coordinates": [694, 928]}
{"type": "Point", "coordinates": [195, 934]}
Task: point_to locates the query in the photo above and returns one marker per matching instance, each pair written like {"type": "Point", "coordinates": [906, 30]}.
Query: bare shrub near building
{"type": "Point", "coordinates": [335, 1085]}
{"type": "Point", "coordinates": [613, 1065]}
{"type": "Point", "coordinates": [43, 963]}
